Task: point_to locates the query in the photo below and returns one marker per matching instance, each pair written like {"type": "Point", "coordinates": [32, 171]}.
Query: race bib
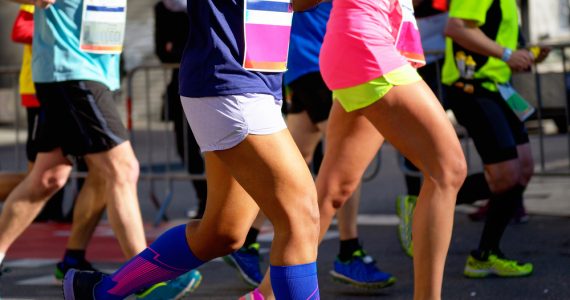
{"type": "Point", "coordinates": [267, 25]}
{"type": "Point", "coordinates": [516, 102]}
{"type": "Point", "coordinates": [103, 26]}
{"type": "Point", "coordinates": [406, 33]}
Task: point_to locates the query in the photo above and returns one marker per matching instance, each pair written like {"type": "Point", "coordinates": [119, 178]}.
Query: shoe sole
{"type": "Point", "coordinates": [479, 274]}
{"type": "Point", "coordinates": [400, 207]}
{"type": "Point", "coordinates": [233, 263]}
{"type": "Point", "coordinates": [364, 285]}
{"type": "Point", "coordinates": [68, 285]}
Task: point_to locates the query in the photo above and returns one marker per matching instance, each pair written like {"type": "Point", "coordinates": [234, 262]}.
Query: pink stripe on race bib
{"type": "Point", "coordinates": [267, 43]}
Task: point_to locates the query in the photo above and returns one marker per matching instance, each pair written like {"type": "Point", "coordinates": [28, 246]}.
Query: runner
{"type": "Point", "coordinates": [485, 34]}
{"type": "Point", "coordinates": [310, 104]}
{"type": "Point", "coordinates": [231, 94]}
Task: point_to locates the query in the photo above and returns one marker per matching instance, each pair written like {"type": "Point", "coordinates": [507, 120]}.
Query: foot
{"type": "Point", "coordinates": [405, 206]}
{"type": "Point", "coordinates": [253, 295]}
{"type": "Point", "coordinates": [79, 285]}
{"type": "Point", "coordinates": [495, 265]}
{"type": "Point", "coordinates": [62, 267]}
{"type": "Point", "coordinates": [173, 289]}
{"type": "Point", "coordinates": [246, 261]}
{"type": "Point", "coordinates": [361, 271]}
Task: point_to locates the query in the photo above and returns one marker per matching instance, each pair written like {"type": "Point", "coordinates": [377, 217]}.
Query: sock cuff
{"type": "Point", "coordinates": [295, 271]}
{"type": "Point", "coordinates": [174, 242]}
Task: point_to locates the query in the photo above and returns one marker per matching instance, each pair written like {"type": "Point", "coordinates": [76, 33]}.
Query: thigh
{"type": "Point", "coordinates": [272, 171]}
{"type": "Point", "coordinates": [351, 144]}
{"type": "Point", "coordinates": [413, 120]}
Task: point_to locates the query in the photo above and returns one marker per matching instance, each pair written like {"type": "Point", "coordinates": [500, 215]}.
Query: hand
{"type": "Point", "coordinates": [542, 55]}
{"type": "Point", "coordinates": [168, 47]}
{"type": "Point", "coordinates": [44, 3]}
{"type": "Point", "coordinates": [520, 60]}
{"type": "Point", "coordinates": [301, 5]}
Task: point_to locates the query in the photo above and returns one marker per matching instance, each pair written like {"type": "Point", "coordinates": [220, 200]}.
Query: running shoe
{"type": "Point", "coordinates": [79, 285]}
{"type": "Point", "coordinates": [405, 206]}
{"type": "Point", "coordinates": [361, 271]}
{"type": "Point", "coordinates": [495, 265]}
{"type": "Point", "coordinates": [246, 261]}
{"type": "Point", "coordinates": [253, 295]}
{"type": "Point", "coordinates": [174, 289]}
{"type": "Point", "coordinates": [61, 268]}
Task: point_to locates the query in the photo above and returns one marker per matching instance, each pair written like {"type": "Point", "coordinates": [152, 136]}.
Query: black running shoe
{"type": "Point", "coordinates": [80, 285]}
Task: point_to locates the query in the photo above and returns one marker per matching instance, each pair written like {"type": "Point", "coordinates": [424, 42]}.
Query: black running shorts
{"type": "Point", "coordinates": [79, 116]}
{"type": "Point", "coordinates": [310, 94]}
{"type": "Point", "coordinates": [493, 126]}
{"type": "Point", "coordinates": [31, 145]}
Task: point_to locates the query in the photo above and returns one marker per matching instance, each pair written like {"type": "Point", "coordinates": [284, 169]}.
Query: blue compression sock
{"type": "Point", "coordinates": [297, 282]}
{"type": "Point", "coordinates": [167, 258]}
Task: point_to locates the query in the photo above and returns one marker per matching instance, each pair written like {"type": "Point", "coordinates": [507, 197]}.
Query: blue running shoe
{"type": "Point", "coordinates": [361, 271]}
{"type": "Point", "coordinates": [174, 289]}
{"type": "Point", "coordinates": [246, 261]}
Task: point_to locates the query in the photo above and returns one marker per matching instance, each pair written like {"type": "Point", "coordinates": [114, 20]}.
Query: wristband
{"type": "Point", "coordinates": [506, 54]}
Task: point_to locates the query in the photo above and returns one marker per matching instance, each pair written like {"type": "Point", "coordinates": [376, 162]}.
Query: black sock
{"type": "Point", "coordinates": [474, 188]}
{"type": "Point", "coordinates": [73, 257]}
{"type": "Point", "coordinates": [501, 210]}
{"type": "Point", "coordinates": [251, 237]}
{"type": "Point", "coordinates": [347, 248]}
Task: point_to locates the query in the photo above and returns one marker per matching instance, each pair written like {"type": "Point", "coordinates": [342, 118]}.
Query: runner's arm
{"type": "Point", "coordinates": [467, 34]}
{"type": "Point", "coordinates": [300, 5]}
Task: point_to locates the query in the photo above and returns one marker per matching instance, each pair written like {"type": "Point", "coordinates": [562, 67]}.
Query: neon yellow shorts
{"type": "Point", "coordinates": [365, 94]}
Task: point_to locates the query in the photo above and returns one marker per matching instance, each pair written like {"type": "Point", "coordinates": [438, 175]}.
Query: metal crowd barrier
{"type": "Point", "coordinates": [9, 77]}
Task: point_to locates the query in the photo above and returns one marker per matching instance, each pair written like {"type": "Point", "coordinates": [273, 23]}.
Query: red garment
{"type": "Point", "coordinates": [23, 30]}
{"type": "Point", "coordinates": [440, 5]}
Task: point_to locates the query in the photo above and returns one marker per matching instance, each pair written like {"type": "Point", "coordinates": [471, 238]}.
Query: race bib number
{"type": "Point", "coordinates": [103, 26]}
{"type": "Point", "coordinates": [406, 33]}
{"type": "Point", "coordinates": [267, 25]}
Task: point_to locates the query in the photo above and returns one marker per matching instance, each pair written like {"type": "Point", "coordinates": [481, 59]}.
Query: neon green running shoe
{"type": "Point", "coordinates": [174, 289]}
{"type": "Point", "coordinates": [405, 206]}
{"type": "Point", "coordinates": [497, 266]}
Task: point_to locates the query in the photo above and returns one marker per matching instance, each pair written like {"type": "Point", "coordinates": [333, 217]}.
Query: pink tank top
{"type": "Point", "coordinates": [360, 43]}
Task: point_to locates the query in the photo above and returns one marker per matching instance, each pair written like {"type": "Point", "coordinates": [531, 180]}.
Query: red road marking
{"type": "Point", "coordinates": [48, 240]}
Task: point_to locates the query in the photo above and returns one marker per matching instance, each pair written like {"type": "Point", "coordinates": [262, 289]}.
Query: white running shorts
{"type": "Point", "coordinates": [222, 122]}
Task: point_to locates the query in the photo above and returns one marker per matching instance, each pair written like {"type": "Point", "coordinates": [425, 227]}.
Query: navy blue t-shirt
{"type": "Point", "coordinates": [212, 60]}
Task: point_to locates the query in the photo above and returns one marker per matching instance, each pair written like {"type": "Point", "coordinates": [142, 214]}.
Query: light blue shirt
{"type": "Point", "coordinates": [56, 54]}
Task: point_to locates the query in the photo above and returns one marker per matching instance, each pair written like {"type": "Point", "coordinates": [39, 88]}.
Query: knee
{"type": "Point", "coordinates": [49, 183]}
{"type": "Point", "coordinates": [124, 171]}
{"type": "Point", "coordinates": [451, 173]}
{"type": "Point", "coordinates": [504, 182]}
{"type": "Point", "coordinates": [335, 194]}
{"type": "Point", "coordinates": [527, 171]}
